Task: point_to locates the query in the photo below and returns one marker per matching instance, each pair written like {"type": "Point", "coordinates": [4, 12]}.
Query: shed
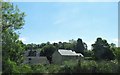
{"type": "Point", "coordinates": [61, 55]}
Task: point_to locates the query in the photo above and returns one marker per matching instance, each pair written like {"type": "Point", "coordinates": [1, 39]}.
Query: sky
{"type": "Point", "coordinates": [62, 0]}
{"type": "Point", "coordinates": [63, 21]}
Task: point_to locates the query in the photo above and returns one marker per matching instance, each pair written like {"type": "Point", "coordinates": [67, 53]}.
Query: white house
{"type": "Point", "coordinates": [35, 58]}
{"type": "Point", "coordinates": [61, 55]}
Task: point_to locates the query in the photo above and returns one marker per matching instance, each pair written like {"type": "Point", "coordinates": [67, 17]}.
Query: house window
{"type": "Point", "coordinates": [29, 59]}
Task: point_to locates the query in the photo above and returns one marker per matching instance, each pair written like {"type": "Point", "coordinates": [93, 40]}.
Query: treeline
{"type": "Point", "coordinates": [100, 49]}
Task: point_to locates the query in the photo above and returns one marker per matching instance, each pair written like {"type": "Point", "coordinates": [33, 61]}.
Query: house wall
{"type": "Point", "coordinates": [56, 58]}
{"type": "Point", "coordinates": [36, 60]}
{"type": "Point", "coordinates": [67, 58]}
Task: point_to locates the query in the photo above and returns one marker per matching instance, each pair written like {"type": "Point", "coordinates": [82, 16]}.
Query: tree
{"type": "Point", "coordinates": [73, 44]}
{"type": "Point", "coordinates": [73, 41]}
{"type": "Point", "coordinates": [12, 47]}
{"type": "Point", "coordinates": [47, 51]}
{"type": "Point", "coordinates": [80, 46]}
{"type": "Point", "coordinates": [102, 50]}
{"type": "Point", "coordinates": [88, 53]}
{"type": "Point", "coordinates": [85, 45]}
{"type": "Point", "coordinates": [56, 45]}
{"type": "Point", "coordinates": [118, 58]}
{"type": "Point", "coordinates": [42, 45]}
{"type": "Point", "coordinates": [61, 46]}
{"type": "Point", "coordinates": [112, 45]}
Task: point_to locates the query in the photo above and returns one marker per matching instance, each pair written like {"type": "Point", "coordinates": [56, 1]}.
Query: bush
{"type": "Point", "coordinates": [68, 67]}
{"type": "Point", "coordinates": [10, 67]}
{"type": "Point", "coordinates": [88, 66]}
{"type": "Point", "coordinates": [25, 69]}
{"type": "Point", "coordinates": [107, 66]}
{"type": "Point", "coordinates": [53, 68]}
{"type": "Point", "coordinates": [39, 68]}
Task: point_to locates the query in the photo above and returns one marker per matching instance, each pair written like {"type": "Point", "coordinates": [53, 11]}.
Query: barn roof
{"type": "Point", "coordinates": [69, 53]}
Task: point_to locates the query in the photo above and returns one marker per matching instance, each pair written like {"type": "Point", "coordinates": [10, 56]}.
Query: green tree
{"type": "Point", "coordinates": [47, 51]}
{"type": "Point", "coordinates": [80, 46]}
{"type": "Point", "coordinates": [118, 58]}
{"type": "Point", "coordinates": [12, 48]}
{"type": "Point", "coordinates": [88, 53]}
{"type": "Point", "coordinates": [102, 50]}
{"type": "Point", "coordinates": [56, 45]}
{"type": "Point", "coordinates": [112, 45]}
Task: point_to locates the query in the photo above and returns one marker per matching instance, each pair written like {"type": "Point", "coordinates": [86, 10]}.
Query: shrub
{"type": "Point", "coordinates": [11, 67]}
{"type": "Point", "coordinates": [107, 67]}
{"type": "Point", "coordinates": [25, 69]}
{"type": "Point", "coordinates": [88, 66]}
{"type": "Point", "coordinates": [39, 68]}
{"type": "Point", "coordinates": [53, 68]}
{"type": "Point", "coordinates": [68, 67]}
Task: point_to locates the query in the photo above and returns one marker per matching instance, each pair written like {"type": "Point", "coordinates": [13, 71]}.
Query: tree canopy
{"type": "Point", "coordinates": [102, 50]}
{"type": "Point", "coordinates": [80, 47]}
{"type": "Point", "coordinates": [12, 47]}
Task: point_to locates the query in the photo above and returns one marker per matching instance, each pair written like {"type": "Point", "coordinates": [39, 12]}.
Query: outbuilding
{"type": "Point", "coordinates": [61, 55]}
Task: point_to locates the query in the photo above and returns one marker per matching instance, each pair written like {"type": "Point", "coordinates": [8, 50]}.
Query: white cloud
{"type": "Point", "coordinates": [23, 39]}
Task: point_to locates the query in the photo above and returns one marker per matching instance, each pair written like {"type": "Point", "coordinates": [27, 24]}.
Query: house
{"type": "Point", "coordinates": [33, 57]}
{"type": "Point", "coordinates": [61, 55]}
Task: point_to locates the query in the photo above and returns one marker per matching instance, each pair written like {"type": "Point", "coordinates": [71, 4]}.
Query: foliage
{"type": "Point", "coordinates": [39, 68]}
{"type": "Point", "coordinates": [68, 46]}
{"type": "Point", "coordinates": [68, 67]}
{"type": "Point", "coordinates": [88, 66]}
{"type": "Point", "coordinates": [117, 53]}
{"type": "Point", "coordinates": [91, 67]}
{"type": "Point", "coordinates": [102, 50]}
{"type": "Point", "coordinates": [47, 51]}
{"type": "Point", "coordinates": [88, 53]}
{"type": "Point", "coordinates": [79, 46]}
{"type": "Point", "coordinates": [53, 68]}
{"type": "Point", "coordinates": [11, 67]}
{"type": "Point", "coordinates": [107, 66]}
{"type": "Point", "coordinates": [25, 69]}
{"type": "Point", "coordinates": [12, 48]}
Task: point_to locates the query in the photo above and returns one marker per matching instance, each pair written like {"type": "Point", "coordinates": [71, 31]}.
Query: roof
{"type": "Point", "coordinates": [69, 53]}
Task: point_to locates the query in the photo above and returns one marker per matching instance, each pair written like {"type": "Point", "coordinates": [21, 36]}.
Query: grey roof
{"type": "Point", "coordinates": [69, 53]}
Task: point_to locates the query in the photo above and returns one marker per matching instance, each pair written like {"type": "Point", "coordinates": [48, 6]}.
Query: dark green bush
{"type": "Point", "coordinates": [67, 67]}
{"type": "Point", "coordinates": [88, 66]}
{"type": "Point", "coordinates": [39, 68]}
{"type": "Point", "coordinates": [53, 68]}
{"type": "Point", "coordinates": [107, 66]}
